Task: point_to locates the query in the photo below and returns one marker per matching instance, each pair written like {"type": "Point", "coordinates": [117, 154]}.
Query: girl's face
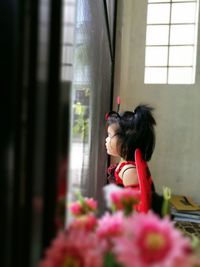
{"type": "Point", "coordinates": [111, 141]}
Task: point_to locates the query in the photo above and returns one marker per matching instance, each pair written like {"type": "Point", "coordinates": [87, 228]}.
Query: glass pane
{"type": "Point", "coordinates": [158, 13]}
{"type": "Point", "coordinates": [111, 14]}
{"type": "Point", "coordinates": [67, 55]}
{"type": "Point", "coordinates": [82, 74]}
{"type": "Point", "coordinates": [184, 0]}
{"type": "Point", "coordinates": [158, 1]}
{"type": "Point", "coordinates": [66, 73]}
{"type": "Point", "coordinates": [155, 75]}
{"type": "Point", "coordinates": [69, 14]}
{"type": "Point", "coordinates": [68, 35]}
{"type": "Point", "coordinates": [182, 34]}
{"type": "Point", "coordinates": [91, 81]}
{"type": "Point", "coordinates": [156, 56]}
{"type": "Point", "coordinates": [183, 13]}
{"type": "Point", "coordinates": [157, 35]}
{"type": "Point", "coordinates": [181, 56]}
{"type": "Point", "coordinates": [180, 76]}
{"type": "Point", "coordinates": [168, 1]}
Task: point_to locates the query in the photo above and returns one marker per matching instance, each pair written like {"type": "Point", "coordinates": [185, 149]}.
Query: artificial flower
{"type": "Point", "coordinates": [108, 190]}
{"type": "Point", "coordinates": [118, 240]}
{"type": "Point", "coordinates": [83, 206]}
{"type": "Point", "coordinates": [85, 222]}
{"type": "Point", "coordinates": [123, 199]}
{"type": "Point", "coordinates": [74, 248]}
{"type": "Point", "coordinates": [110, 226]}
{"type": "Point", "coordinates": [151, 241]}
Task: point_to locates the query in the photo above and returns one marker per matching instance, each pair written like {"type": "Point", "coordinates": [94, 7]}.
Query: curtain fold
{"type": "Point", "coordinates": [91, 93]}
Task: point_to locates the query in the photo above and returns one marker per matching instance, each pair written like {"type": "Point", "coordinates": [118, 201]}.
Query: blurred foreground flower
{"type": "Point", "coordinates": [74, 248]}
{"type": "Point", "coordinates": [83, 206]}
{"type": "Point", "coordinates": [121, 199]}
{"type": "Point", "coordinates": [124, 238]}
{"type": "Point", "coordinates": [150, 241]}
{"type": "Point", "coordinates": [84, 222]}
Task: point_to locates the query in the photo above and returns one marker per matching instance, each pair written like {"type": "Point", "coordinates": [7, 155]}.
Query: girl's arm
{"type": "Point", "coordinates": [128, 174]}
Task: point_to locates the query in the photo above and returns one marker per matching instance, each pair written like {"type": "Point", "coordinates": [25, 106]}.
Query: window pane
{"type": "Point", "coordinates": [184, 0]}
{"type": "Point", "coordinates": [67, 55]}
{"type": "Point", "coordinates": [183, 13]}
{"type": "Point", "coordinates": [180, 76]}
{"type": "Point", "coordinates": [157, 35]}
{"type": "Point", "coordinates": [158, 1]}
{"type": "Point", "coordinates": [168, 1]}
{"type": "Point", "coordinates": [181, 56]}
{"type": "Point", "coordinates": [156, 56]}
{"type": "Point", "coordinates": [69, 14]}
{"type": "Point", "coordinates": [155, 75]}
{"type": "Point", "coordinates": [171, 40]}
{"type": "Point", "coordinates": [68, 35]}
{"type": "Point", "coordinates": [82, 75]}
{"type": "Point", "coordinates": [66, 73]}
{"type": "Point", "coordinates": [158, 13]}
{"type": "Point", "coordinates": [182, 34]}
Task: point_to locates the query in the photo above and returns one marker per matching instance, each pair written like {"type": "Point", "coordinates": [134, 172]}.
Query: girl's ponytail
{"type": "Point", "coordinates": [144, 126]}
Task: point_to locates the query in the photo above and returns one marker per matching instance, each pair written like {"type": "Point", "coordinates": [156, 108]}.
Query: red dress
{"type": "Point", "coordinates": [118, 179]}
{"type": "Point", "coordinates": [145, 184]}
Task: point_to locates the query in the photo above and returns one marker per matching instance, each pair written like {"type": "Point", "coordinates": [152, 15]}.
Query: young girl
{"type": "Point", "coordinates": [129, 134]}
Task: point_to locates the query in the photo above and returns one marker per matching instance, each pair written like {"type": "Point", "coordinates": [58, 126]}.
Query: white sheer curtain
{"type": "Point", "coordinates": [91, 98]}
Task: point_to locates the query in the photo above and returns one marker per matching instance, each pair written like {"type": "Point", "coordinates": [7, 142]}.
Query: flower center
{"type": "Point", "coordinates": [155, 241]}
{"type": "Point", "coordinates": [70, 261]}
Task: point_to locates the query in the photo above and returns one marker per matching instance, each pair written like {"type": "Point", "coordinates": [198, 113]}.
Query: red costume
{"type": "Point", "coordinates": [145, 183]}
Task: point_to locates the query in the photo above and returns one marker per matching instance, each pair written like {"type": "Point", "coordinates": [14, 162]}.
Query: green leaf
{"type": "Point", "coordinates": [110, 261]}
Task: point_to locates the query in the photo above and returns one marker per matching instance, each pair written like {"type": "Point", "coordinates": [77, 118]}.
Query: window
{"type": "Point", "coordinates": [171, 41]}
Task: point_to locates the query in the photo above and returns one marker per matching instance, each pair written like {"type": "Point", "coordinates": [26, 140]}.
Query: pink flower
{"type": "Point", "coordinates": [150, 241]}
{"type": "Point", "coordinates": [91, 203]}
{"type": "Point", "coordinates": [108, 190]}
{"type": "Point", "coordinates": [75, 208]}
{"type": "Point", "coordinates": [110, 225]}
{"type": "Point", "coordinates": [137, 240]}
{"type": "Point", "coordinates": [74, 248]}
{"type": "Point", "coordinates": [85, 222]}
{"type": "Point", "coordinates": [83, 206]}
{"type": "Point", "coordinates": [125, 200]}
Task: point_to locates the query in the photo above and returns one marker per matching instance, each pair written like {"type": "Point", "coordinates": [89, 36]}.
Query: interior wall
{"type": "Point", "coordinates": [176, 159]}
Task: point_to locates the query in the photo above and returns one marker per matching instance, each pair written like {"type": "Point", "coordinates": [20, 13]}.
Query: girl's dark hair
{"type": "Point", "coordinates": [134, 130]}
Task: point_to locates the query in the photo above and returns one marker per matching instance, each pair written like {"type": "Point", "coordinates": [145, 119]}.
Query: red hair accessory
{"type": "Point", "coordinates": [118, 104]}
{"type": "Point", "coordinates": [107, 115]}
{"type": "Point", "coordinates": [114, 112]}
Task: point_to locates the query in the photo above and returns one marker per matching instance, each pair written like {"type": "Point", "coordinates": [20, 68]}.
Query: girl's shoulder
{"type": "Point", "coordinates": [128, 174]}
{"type": "Point", "coordinates": [125, 165]}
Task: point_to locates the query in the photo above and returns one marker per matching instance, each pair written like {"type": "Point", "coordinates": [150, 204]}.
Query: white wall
{"type": "Point", "coordinates": [176, 160]}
